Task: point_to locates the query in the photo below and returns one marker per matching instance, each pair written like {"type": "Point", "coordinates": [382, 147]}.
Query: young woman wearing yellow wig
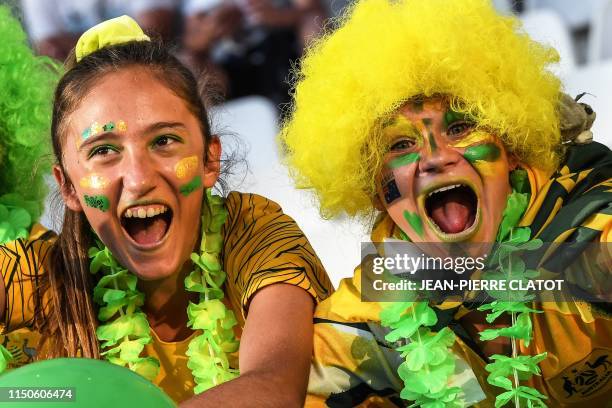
{"type": "Point", "coordinates": [443, 116]}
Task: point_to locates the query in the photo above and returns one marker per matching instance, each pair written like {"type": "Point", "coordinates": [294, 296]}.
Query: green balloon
{"type": "Point", "coordinates": [93, 384]}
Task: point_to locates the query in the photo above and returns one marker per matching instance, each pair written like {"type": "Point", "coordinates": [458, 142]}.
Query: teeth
{"type": "Point", "coordinates": [145, 213]}
{"type": "Point", "coordinates": [441, 189]}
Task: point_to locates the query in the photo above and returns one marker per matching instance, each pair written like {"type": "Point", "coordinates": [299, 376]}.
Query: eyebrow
{"type": "Point", "coordinates": [164, 125]}
{"type": "Point", "coordinates": [149, 129]}
{"type": "Point", "coordinates": [93, 139]}
{"type": "Point", "coordinates": [402, 124]}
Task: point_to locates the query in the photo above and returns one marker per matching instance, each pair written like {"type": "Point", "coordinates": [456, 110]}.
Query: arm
{"type": "Point", "coordinates": [275, 353]}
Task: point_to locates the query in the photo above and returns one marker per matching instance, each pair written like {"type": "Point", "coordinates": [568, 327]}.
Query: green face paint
{"type": "Point", "coordinates": [450, 117]}
{"type": "Point", "coordinates": [99, 202]}
{"type": "Point", "coordinates": [192, 186]}
{"type": "Point", "coordinates": [484, 152]}
{"type": "Point", "coordinates": [430, 135]}
{"type": "Point", "coordinates": [415, 222]}
{"type": "Point", "coordinates": [404, 160]}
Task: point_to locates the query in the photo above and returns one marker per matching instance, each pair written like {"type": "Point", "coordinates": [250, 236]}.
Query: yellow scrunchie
{"type": "Point", "coordinates": [110, 32]}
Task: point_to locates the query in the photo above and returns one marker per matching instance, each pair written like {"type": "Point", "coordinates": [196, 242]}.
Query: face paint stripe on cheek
{"type": "Point", "coordinates": [192, 186]}
{"type": "Point", "coordinates": [99, 202]}
{"type": "Point", "coordinates": [415, 222]}
{"type": "Point", "coordinates": [404, 160]}
{"type": "Point", "coordinates": [484, 152]}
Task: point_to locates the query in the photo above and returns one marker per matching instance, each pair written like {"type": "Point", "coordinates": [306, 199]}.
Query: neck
{"type": "Point", "coordinates": [166, 303]}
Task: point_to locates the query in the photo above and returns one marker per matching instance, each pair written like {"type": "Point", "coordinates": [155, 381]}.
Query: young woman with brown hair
{"type": "Point", "coordinates": [135, 157]}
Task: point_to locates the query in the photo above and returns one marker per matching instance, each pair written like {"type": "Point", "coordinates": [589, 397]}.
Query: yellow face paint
{"type": "Point", "coordinates": [486, 168]}
{"type": "Point", "coordinates": [401, 126]}
{"type": "Point", "coordinates": [94, 181]}
{"type": "Point", "coordinates": [186, 167]}
{"type": "Point", "coordinates": [472, 139]}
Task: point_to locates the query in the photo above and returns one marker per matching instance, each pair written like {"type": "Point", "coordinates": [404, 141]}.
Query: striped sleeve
{"type": "Point", "coordinates": [21, 266]}
{"type": "Point", "coordinates": [264, 246]}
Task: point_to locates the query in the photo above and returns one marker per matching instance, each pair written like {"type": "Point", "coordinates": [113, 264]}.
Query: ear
{"type": "Point", "coordinates": [212, 167]}
{"type": "Point", "coordinates": [67, 190]}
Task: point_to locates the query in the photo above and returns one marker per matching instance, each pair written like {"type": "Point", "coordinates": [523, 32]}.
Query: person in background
{"type": "Point", "coordinates": [55, 25]}
{"type": "Point", "coordinates": [249, 44]}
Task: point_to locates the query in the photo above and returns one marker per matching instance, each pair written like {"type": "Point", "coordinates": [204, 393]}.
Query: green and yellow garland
{"type": "Point", "coordinates": [126, 330]}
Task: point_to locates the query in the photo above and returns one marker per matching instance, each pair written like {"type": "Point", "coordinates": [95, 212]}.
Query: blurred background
{"type": "Point", "coordinates": [249, 46]}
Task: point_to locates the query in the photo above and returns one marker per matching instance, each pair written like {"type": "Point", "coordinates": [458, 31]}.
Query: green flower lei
{"type": "Point", "coordinates": [126, 330]}
{"type": "Point", "coordinates": [17, 216]}
{"type": "Point", "coordinates": [428, 358]}
{"type": "Point", "coordinates": [513, 240]}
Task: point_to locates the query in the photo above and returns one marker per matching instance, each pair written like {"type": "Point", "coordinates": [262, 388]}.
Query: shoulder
{"type": "Point", "coordinates": [237, 202]}
{"type": "Point", "coordinates": [264, 246]}
{"type": "Point", "coordinates": [576, 202]}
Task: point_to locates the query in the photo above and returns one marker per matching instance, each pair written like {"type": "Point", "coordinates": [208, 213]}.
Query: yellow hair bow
{"type": "Point", "coordinates": [110, 32]}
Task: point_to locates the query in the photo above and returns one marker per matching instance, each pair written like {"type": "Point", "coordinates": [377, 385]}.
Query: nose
{"type": "Point", "coordinates": [437, 156]}
{"type": "Point", "coordinates": [138, 174]}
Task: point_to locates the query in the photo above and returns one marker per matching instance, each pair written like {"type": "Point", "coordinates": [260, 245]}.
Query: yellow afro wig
{"type": "Point", "coordinates": [385, 52]}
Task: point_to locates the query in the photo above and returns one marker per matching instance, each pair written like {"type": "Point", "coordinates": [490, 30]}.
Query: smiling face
{"type": "Point", "coordinates": [134, 156]}
{"type": "Point", "coordinates": [443, 180]}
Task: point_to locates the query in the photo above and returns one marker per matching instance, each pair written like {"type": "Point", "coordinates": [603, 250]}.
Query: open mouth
{"type": "Point", "coordinates": [453, 208]}
{"type": "Point", "coordinates": [147, 225]}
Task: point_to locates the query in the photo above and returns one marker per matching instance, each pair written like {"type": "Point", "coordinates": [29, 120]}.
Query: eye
{"type": "Point", "coordinates": [165, 140]}
{"type": "Point", "coordinates": [402, 144]}
{"type": "Point", "coordinates": [102, 150]}
{"type": "Point", "coordinates": [459, 128]}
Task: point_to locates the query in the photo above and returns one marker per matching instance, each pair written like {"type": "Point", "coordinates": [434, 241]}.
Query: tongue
{"type": "Point", "coordinates": [452, 212]}
{"type": "Point", "coordinates": [146, 231]}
